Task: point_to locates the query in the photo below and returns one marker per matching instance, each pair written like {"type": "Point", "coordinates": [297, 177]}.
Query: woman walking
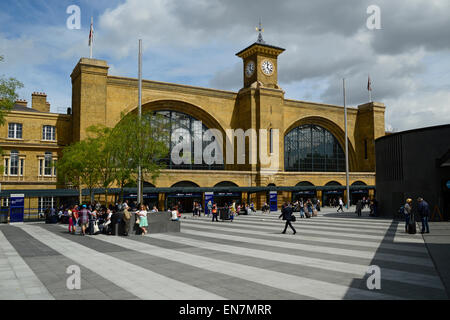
{"type": "Point", "coordinates": [143, 223]}
{"type": "Point", "coordinates": [407, 211]}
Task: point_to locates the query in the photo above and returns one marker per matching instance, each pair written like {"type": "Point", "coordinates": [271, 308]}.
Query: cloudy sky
{"type": "Point", "coordinates": [194, 42]}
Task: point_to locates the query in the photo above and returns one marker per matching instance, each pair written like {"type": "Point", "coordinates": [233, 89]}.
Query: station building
{"type": "Point", "coordinates": [311, 136]}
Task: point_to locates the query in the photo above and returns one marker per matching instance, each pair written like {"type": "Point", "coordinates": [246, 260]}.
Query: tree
{"type": "Point", "coordinates": [137, 142]}
{"type": "Point", "coordinates": [8, 94]}
{"type": "Point", "coordinates": [79, 165]}
{"type": "Point", "coordinates": [104, 155]}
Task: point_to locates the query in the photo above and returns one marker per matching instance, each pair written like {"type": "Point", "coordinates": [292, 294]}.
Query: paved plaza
{"type": "Point", "coordinates": [248, 258]}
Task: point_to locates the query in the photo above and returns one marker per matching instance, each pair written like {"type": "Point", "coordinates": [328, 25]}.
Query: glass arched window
{"type": "Point", "coordinates": [312, 148]}
{"type": "Point", "coordinates": [175, 120]}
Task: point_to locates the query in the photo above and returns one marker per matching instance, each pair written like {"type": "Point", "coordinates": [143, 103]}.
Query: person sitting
{"type": "Point", "coordinates": [174, 214]}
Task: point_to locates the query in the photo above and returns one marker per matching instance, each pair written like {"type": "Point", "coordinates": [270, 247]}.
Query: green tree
{"type": "Point", "coordinates": [137, 142]}
{"type": "Point", "coordinates": [100, 136]}
{"type": "Point", "coordinates": [8, 94]}
{"type": "Point", "coordinates": [79, 165]}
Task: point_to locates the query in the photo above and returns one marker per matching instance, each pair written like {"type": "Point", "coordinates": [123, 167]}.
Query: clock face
{"type": "Point", "coordinates": [267, 67]}
{"type": "Point", "coordinates": [249, 68]}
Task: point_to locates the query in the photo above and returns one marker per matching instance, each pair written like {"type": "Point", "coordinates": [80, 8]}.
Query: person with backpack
{"type": "Point", "coordinates": [423, 209]}
{"type": "Point", "coordinates": [287, 214]}
{"type": "Point", "coordinates": [214, 212]}
{"type": "Point", "coordinates": [407, 212]}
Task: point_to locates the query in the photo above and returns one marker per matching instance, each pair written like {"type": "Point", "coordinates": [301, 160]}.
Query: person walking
{"type": "Point", "coordinates": [286, 214]}
{"type": "Point", "coordinates": [126, 219]}
{"type": "Point", "coordinates": [359, 206]}
{"type": "Point", "coordinates": [407, 211]}
{"type": "Point", "coordinates": [423, 209]}
{"type": "Point", "coordinates": [341, 205]}
{"type": "Point", "coordinates": [84, 219]}
{"type": "Point", "coordinates": [143, 222]}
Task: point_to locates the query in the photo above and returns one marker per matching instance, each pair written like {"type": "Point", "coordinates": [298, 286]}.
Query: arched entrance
{"type": "Point", "coordinates": [149, 199]}
{"type": "Point", "coordinates": [358, 194]}
{"type": "Point", "coordinates": [331, 196]}
{"type": "Point", "coordinates": [304, 194]}
{"type": "Point", "coordinates": [184, 200]}
{"type": "Point", "coordinates": [226, 197]}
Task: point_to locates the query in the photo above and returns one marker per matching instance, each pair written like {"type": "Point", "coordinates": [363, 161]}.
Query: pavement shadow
{"type": "Point", "coordinates": [401, 289]}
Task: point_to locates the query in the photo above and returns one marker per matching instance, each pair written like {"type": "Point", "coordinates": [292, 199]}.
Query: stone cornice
{"type": "Point", "coordinates": [172, 87]}
{"type": "Point", "coordinates": [302, 104]}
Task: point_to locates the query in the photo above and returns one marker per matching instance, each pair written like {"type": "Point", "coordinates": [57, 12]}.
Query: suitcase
{"type": "Point", "coordinates": [412, 228]}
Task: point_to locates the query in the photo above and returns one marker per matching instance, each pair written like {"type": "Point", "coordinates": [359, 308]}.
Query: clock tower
{"type": "Point", "coordinates": [260, 64]}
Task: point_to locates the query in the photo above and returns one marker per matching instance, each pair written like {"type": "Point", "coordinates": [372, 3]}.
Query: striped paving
{"type": "Point", "coordinates": [248, 258]}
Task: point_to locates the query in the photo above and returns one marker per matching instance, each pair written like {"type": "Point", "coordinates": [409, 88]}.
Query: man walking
{"type": "Point", "coordinates": [341, 205]}
{"type": "Point", "coordinates": [286, 213]}
{"type": "Point", "coordinates": [423, 209]}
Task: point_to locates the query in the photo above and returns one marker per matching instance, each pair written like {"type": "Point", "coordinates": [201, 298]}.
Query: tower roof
{"type": "Point", "coordinates": [257, 46]}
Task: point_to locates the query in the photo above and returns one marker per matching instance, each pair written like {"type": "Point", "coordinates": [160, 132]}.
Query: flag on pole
{"type": "Point", "coordinates": [369, 88]}
{"type": "Point", "coordinates": [91, 33]}
{"type": "Point", "coordinates": [91, 37]}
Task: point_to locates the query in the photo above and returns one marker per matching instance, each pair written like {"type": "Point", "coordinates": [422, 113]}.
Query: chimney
{"type": "Point", "coordinates": [39, 102]}
{"type": "Point", "coordinates": [22, 102]}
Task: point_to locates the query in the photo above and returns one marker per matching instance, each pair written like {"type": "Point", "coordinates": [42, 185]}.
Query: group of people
{"type": "Point", "coordinates": [410, 211]}
{"type": "Point", "coordinates": [307, 208]}
{"type": "Point", "coordinates": [96, 218]}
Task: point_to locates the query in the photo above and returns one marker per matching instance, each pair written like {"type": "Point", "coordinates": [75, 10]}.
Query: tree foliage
{"type": "Point", "coordinates": [113, 155]}
{"type": "Point", "coordinates": [8, 94]}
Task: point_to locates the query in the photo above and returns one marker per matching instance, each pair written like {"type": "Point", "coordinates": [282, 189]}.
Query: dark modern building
{"type": "Point", "coordinates": [412, 164]}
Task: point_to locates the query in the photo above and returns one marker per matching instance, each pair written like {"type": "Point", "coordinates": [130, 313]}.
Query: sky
{"type": "Point", "coordinates": [194, 42]}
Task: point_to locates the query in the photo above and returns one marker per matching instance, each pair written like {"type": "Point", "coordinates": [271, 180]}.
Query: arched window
{"type": "Point", "coordinates": [175, 120]}
{"type": "Point", "coordinates": [312, 148]}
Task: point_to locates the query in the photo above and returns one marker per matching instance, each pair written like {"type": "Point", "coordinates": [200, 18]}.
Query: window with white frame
{"type": "Point", "coordinates": [6, 165]}
{"type": "Point", "coordinates": [45, 202]}
{"type": "Point", "coordinates": [14, 163]}
{"type": "Point", "coordinates": [5, 202]}
{"type": "Point", "coordinates": [49, 133]}
{"type": "Point", "coordinates": [15, 130]}
{"type": "Point", "coordinates": [48, 164]}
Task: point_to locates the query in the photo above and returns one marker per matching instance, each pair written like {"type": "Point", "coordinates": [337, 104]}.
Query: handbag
{"type": "Point", "coordinates": [96, 229]}
{"type": "Point", "coordinates": [293, 218]}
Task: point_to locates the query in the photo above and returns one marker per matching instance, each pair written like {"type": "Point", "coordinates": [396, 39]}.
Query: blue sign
{"type": "Point", "coordinates": [16, 207]}
{"type": "Point", "coordinates": [209, 196]}
{"type": "Point", "coordinates": [273, 199]}
{"type": "Point", "coordinates": [448, 184]}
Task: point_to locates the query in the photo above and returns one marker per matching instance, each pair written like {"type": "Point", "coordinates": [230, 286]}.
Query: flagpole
{"type": "Point", "coordinates": [139, 197]}
{"type": "Point", "coordinates": [91, 42]}
{"type": "Point", "coordinates": [346, 147]}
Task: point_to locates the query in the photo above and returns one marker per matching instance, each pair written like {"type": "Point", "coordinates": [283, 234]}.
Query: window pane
{"type": "Point", "coordinates": [14, 163]}
{"type": "Point", "coordinates": [313, 148]}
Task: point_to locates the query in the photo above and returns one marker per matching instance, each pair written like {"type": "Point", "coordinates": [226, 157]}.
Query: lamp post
{"type": "Point", "coordinates": [139, 182]}
{"type": "Point", "coordinates": [346, 147]}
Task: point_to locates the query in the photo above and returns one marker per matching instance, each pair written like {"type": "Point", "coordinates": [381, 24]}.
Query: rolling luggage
{"type": "Point", "coordinates": [412, 228]}
{"type": "Point", "coordinates": [412, 225]}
